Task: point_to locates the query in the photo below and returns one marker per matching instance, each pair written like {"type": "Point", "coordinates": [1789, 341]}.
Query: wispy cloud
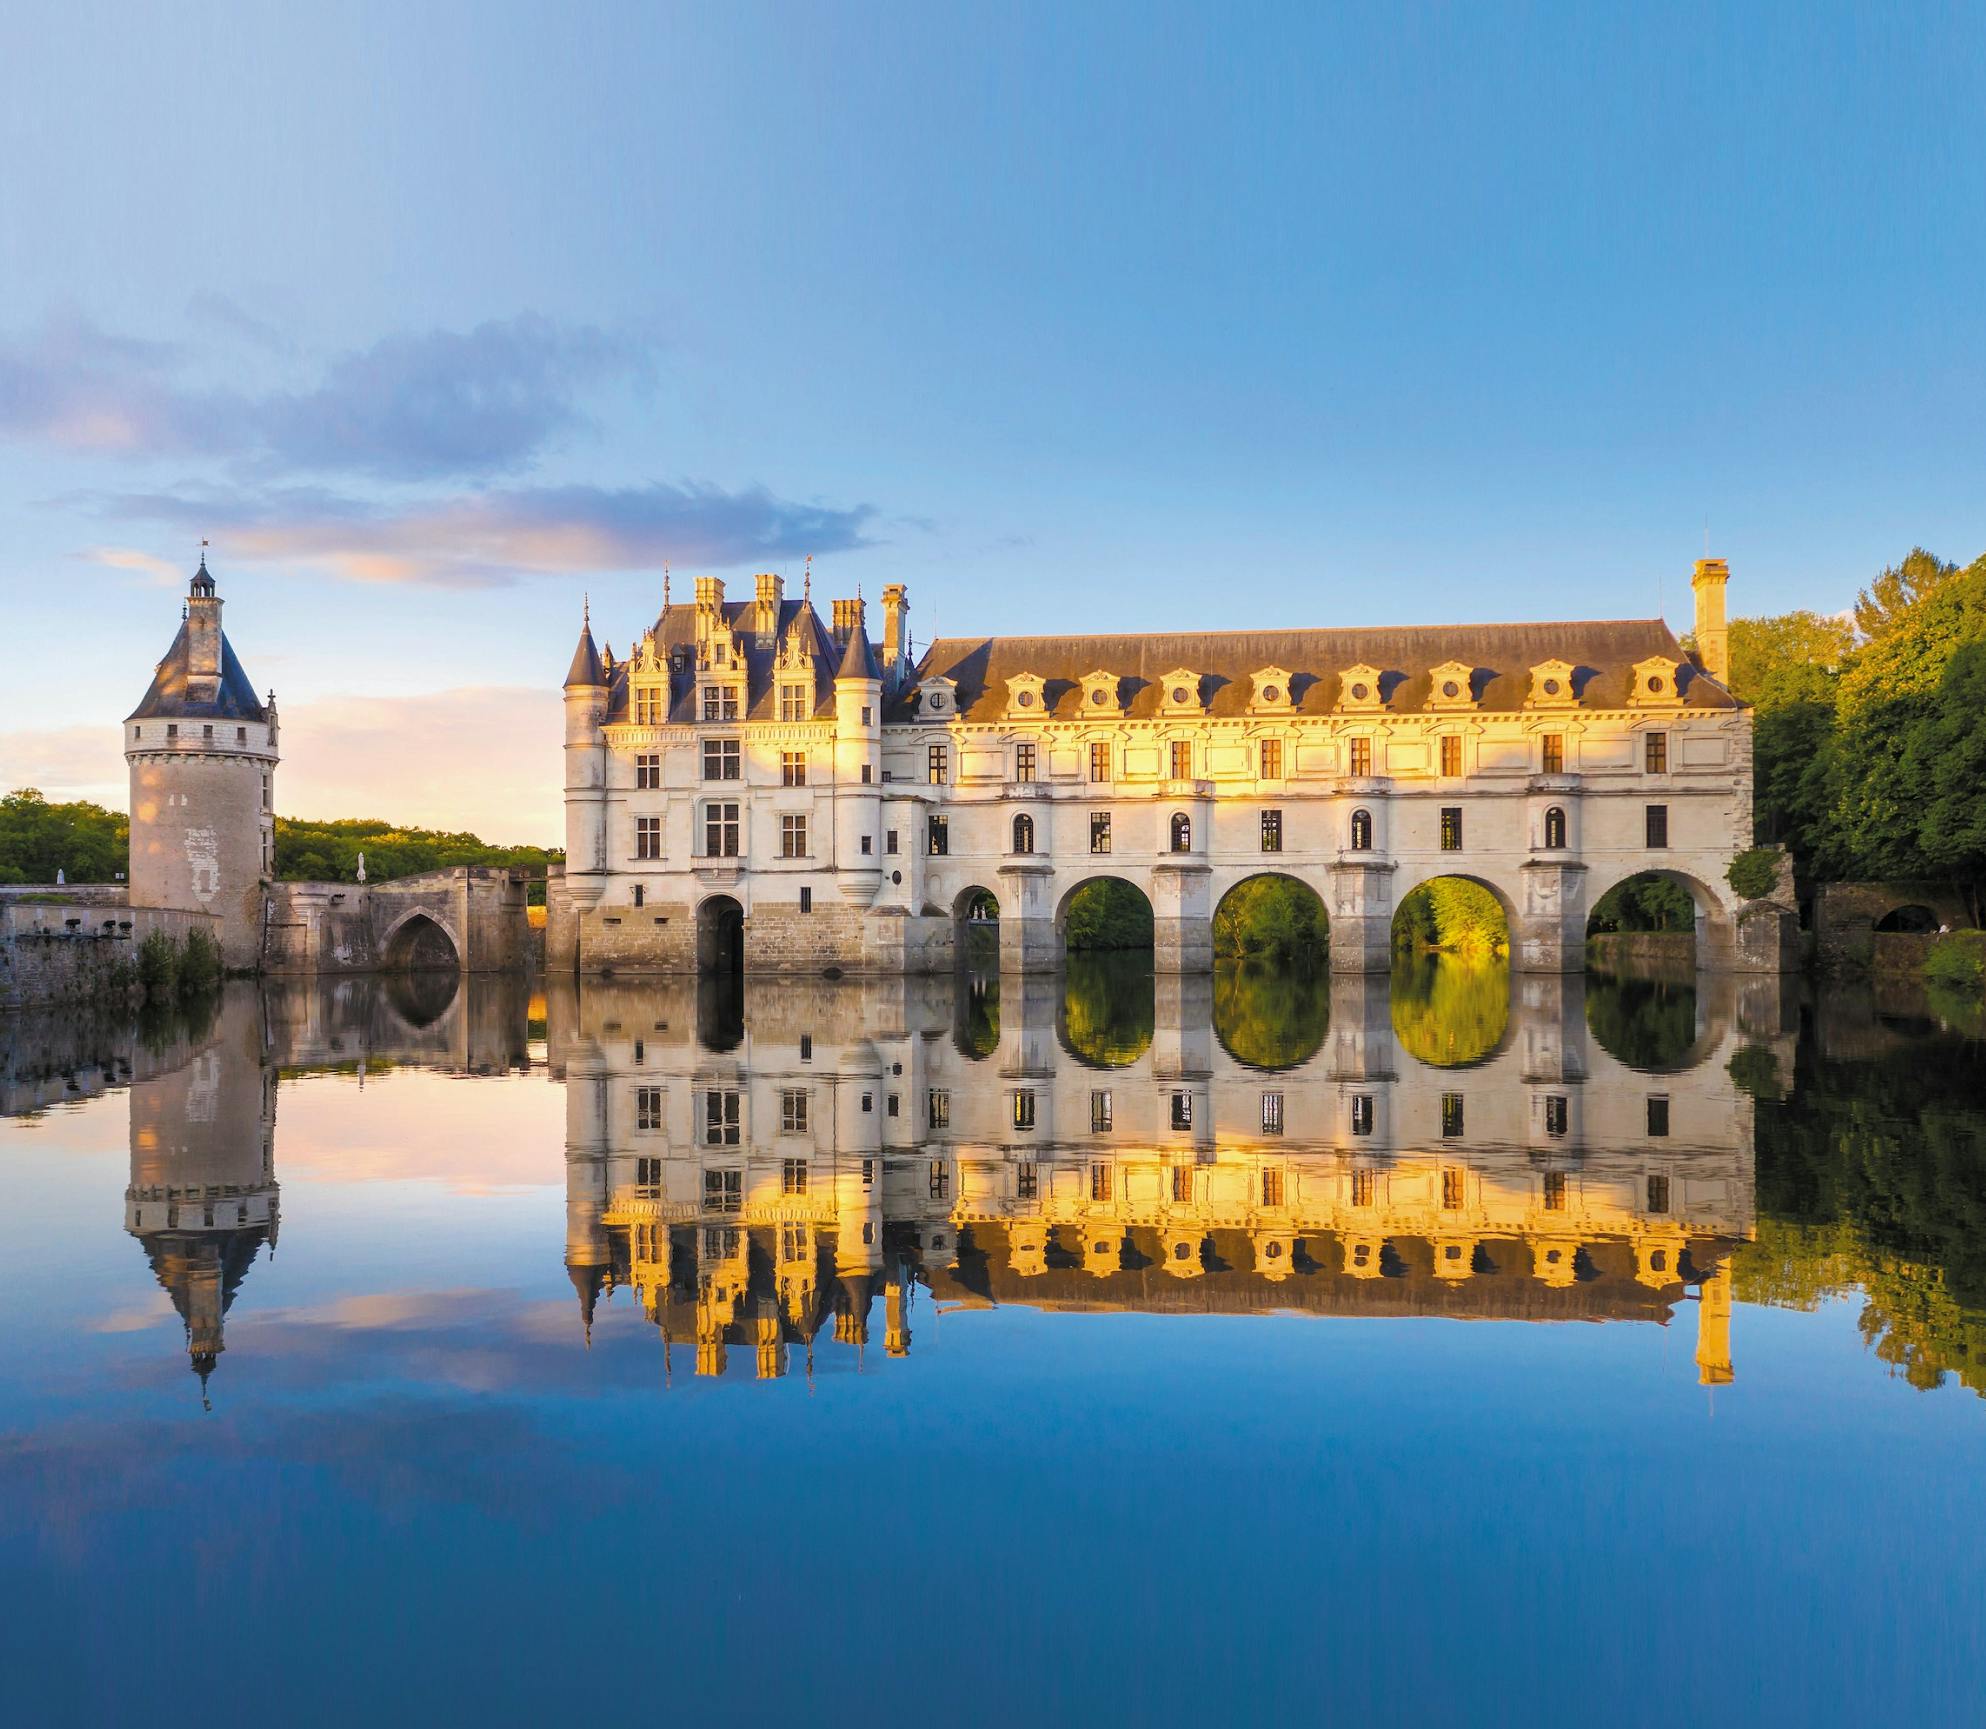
{"type": "Point", "coordinates": [162, 571]}
{"type": "Point", "coordinates": [414, 406]}
{"type": "Point", "coordinates": [488, 539]}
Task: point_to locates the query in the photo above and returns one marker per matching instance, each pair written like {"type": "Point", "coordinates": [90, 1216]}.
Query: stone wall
{"type": "Point", "coordinates": [1846, 915]}
{"type": "Point", "coordinates": [1647, 954]}
{"type": "Point", "coordinates": [339, 928]}
{"type": "Point", "coordinates": [64, 952]}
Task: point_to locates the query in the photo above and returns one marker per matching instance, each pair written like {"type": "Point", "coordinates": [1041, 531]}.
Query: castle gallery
{"type": "Point", "coordinates": [756, 786]}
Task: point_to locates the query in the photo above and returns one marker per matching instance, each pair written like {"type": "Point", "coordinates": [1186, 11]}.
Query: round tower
{"type": "Point", "coordinates": [202, 753]}
{"type": "Point", "coordinates": [858, 758]}
{"type": "Point", "coordinates": [585, 772]}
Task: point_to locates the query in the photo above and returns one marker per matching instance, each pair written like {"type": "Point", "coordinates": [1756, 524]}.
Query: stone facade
{"type": "Point", "coordinates": [755, 783]}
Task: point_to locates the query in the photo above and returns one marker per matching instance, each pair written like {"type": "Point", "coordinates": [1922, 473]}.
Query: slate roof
{"type": "Point", "coordinates": [234, 698]}
{"type": "Point", "coordinates": [675, 630]}
{"type": "Point", "coordinates": [1603, 654]}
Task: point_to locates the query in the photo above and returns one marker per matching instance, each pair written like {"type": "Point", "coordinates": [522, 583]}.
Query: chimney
{"type": "Point", "coordinates": [847, 619]}
{"type": "Point", "coordinates": [709, 593]}
{"type": "Point", "coordinates": [766, 607]}
{"type": "Point", "coordinates": [1713, 635]}
{"type": "Point", "coordinates": [896, 640]}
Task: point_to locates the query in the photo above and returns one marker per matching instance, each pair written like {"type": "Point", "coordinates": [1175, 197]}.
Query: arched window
{"type": "Point", "coordinates": [1024, 833]}
{"type": "Point", "coordinates": [1555, 828]}
{"type": "Point", "coordinates": [1361, 831]}
{"type": "Point", "coordinates": [1182, 832]}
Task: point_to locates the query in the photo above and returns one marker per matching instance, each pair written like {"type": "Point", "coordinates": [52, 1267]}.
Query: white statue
{"type": "Point", "coordinates": [361, 867]}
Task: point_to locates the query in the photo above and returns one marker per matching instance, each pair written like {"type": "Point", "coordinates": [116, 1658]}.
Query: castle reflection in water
{"type": "Point", "coordinates": [762, 1170]}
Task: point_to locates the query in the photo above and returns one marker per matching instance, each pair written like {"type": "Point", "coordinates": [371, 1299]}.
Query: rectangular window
{"type": "Point", "coordinates": [172, 729]}
{"type": "Point", "coordinates": [1100, 1112]}
{"type": "Point", "coordinates": [1555, 1191]}
{"type": "Point", "coordinates": [1026, 1186]}
{"type": "Point", "coordinates": [793, 1176]}
{"type": "Point", "coordinates": [647, 1107]}
{"type": "Point", "coordinates": [806, 900]}
{"type": "Point", "coordinates": [1451, 828]}
{"type": "Point", "coordinates": [640, 1051]}
{"type": "Point", "coordinates": [938, 1109]}
{"type": "Point", "coordinates": [1272, 831]}
{"type": "Point", "coordinates": [1182, 1110]}
{"type": "Point", "coordinates": [1024, 762]}
{"type": "Point", "coordinates": [1182, 1185]}
{"type": "Point", "coordinates": [1361, 756]}
{"type": "Point", "coordinates": [720, 1117]}
{"type": "Point", "coordinates": [720, 759]}
{"type": "Point", "coordinates": [207, 732]}
{"type": "Point", "coordinates": [1658, 825]}
{"type": "Point", "coordinates": [1365, 1188]}
{"type": "Point", "coordinates": [1272, 1187]}
{"type": "Point", "coordinates": [1272, 1113]}
{"type": "Point", "coordinates": [1451, 755]}
{"type": "Point", "coordinates": [806, 1047]}
{"type": "Point", "coordinates": [648, 771]}
{"type": "Point", "coordinates": [1658, 1116]}
{"type": "Point", "coordinates": [1272, 759]}
{"type": "Point", "coordinates": [1099, 1182]}
{"type": "Point", "coordinates": [648, 1178]}
{"type": "Point", "coordinates": [720, 702]}
{"type": "Point", "coordinates": [1658, 1194]}
{"type": "Point", "coordinates": [1099, 831]}
{"type": "Point", "coordinates": [723, 1191]}
{"type": "Point", "coordinates": [941, 1180]}
{"type": "Point", "coordinates": [1361, 1113]}
{"type": "Point", "coordinates": [891, 1106]}
{"type": "Point", "coordinates": [934, 765]}
{"type": "Point", "coordinates": [792, 837]}
{"type": "Point", "coordinates": [793, 1110]}
{"type": "Point", "coordinates": [1555, 1114]}
{"type": "Point", "coordinates": [868, 845]}
{"type": "Point", "coordinates": [866, 713]}
{"type": "Point", "coordinates": [869, 774]}
{"type": "Point", "coordinates": [938, 839]}
{"type": "Point", "coordinates": [793, 702]}
{"type": "Point", "coordinates": [648, 837]}
{"type": "Point", "coordinates": [1099, 762]}
{"type": "Point", "coordinates": [720, 831]}
{"type": "Point", "coordinates": [1655, 752]}
{"type": "Point", "coordinates": [1451, 1189]}
{"type": "Point", "coordinates": [889, 841]}
{"type": "Point", "coordinates": [1024, 1108]}
{"type": "Point", "coordinates": [1182, 759]}
{"type": "Point", "coordinates": [1553, 761]}
{"type": "Point", "coordinates": [648, 706]}
{"type": "Point", "coordinates": [868, 1173]}
{"type": "Point", "coordinates": [1451, 1115]}
{"type": "Point", "coordinates": [793, 768]}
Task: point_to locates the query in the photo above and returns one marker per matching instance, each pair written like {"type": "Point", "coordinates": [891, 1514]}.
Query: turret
{"type": "Point", "coordinates": [585, 771]}
{"type": "Point", "coordinates": [858, 759]}
{"type": "Point", "coordinates": [1713, 634]}
{"type": "Point", "coordinates": [201, 748]}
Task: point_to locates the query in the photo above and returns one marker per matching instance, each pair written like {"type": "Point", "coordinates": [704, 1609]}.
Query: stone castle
{"type": "Point", "coordinates": [755, 786]}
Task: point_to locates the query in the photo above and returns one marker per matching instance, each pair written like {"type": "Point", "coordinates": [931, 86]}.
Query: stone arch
{"type": "Point", "coordinates": [1416, 879]}
{"type": "Point", "coordinates": [720, 935]}
{"type": "Point", "coordinates": [1715, 929]}
{"type": "Point", "coordinates": [1913, 918]}
{"type": "Point", "coordinates": [1299, 945]}
{"type": "Point", "coordinates": [976, 926]}
{"type": "Point", "coordinates": [1090, 879]}
{"type": "Point", "coordinates": [420, 940]}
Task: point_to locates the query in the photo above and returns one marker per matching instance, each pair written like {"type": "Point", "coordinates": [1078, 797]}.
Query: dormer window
{"type": "Point", "coordinates": [1100, 694]}
{"type": "Point", "coordinates": [720, 702]}
{"type": "Point", "coordinates": [1452, 685]}
{"type": "Point", "coordinates": [1270, 691]}
{"type": "Point", "coordinates": [1359, 688]}
{"type": "Point", "coordinates": [1551, 685]}
{"type": "Point", "coordinates": [937, 698]}
{"type": "Point", "coordinates": [651, 704]}
{"type": "Point", "coordinates": [1655, 683]}
{"type": "Point", "coordinates": [796, 699]}
{"type": "Point", "coordinates": [1182, 692]}
{"type": "Point", "coordinates": [1026, 696]}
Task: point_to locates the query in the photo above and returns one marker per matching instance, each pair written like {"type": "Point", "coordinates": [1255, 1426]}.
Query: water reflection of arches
{"type": "Point", "coordinates": [1654, 1025]}
{"type": "Point", "coordinates": [1271, 1018]}
{"type": "Point", "coordinates": [1451, 1011]}
{"type": "Point", "coordinates": [1104, 911]}
{"type": "Point", "coordinates": [1108, 1009]}
{"type": "Point", "coordinates": [720, 936]}
{"type": "Point", "coordinates": [418, 942]}
{"type": "Point", "coordinates": [420, 998]}
{"type": "Point", "coordinates": [976, 1015]}
{"type": "Point", "coordinates": [1272, 915]}
{"type": "Point", "coordinates": [720, 1010]}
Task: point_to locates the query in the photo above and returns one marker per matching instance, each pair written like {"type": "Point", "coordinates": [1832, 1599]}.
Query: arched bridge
{"type": "Point", "coordinates": [467, 919]}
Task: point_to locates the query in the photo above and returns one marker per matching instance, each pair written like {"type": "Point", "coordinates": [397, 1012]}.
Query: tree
{"type": "Point", "coordinates": [1792, 658]}
{"type": "Point", "coordinates": [85, 842]}
{"type": "Point", "coordinates": [1945, 768]}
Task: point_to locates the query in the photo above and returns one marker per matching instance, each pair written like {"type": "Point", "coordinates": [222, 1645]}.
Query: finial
{"type": "Point", "coordinates": [665, 588]}
{"type": "Point", "coordinates": [807, 582]}
{"type": "Point", "coordinates": [203, 551]}
{"type": "Point", "coordinates": [586, 610]}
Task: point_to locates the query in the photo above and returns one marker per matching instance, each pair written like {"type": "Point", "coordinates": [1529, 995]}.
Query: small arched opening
{"type": "Point", "coordinates": [1914, 921]}
{"type": "Point", "coordinates": [1275, 918]}
{"type": "Point", "coordinates": [1555, 828]}
{"type": "Point", "coordinates": [976, 928]}
{"type": "Point", "coordinates": [1361, 836]}
{"type": "Point", "coordinates": [720, 937]}
{"type": "Point", "coordinates": [1105, 915]}
{"type": "Point", "coordinates": [1024, 833]}
{"type": "Point", "coordinates": [420, 944]}
{"type": "Point", "coordinates": [1180, 832]}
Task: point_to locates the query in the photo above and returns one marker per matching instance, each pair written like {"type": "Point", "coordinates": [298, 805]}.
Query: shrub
{"type": "Point", "coordinates": [1271, 918]}
{"type": "Point", "coordinates": [158, 966]}
{"type": "Point", "coordinates": [1754, 874]}
{"type": "Point", "coordinates": [1958, 961]}
{"type": "Point", "coordinates": [199, 963]}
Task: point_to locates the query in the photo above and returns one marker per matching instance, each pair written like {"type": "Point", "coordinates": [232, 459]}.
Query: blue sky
{"type": "Point", "coordinates": [435, 317]}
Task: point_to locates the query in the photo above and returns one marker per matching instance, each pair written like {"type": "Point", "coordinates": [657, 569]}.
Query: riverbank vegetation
{"type": "Point", "coordinates": [84, 842]}
{"type": "Point", "coordinates": [1452, 915]}
{"type": "Point", "coordinates": [1105, 914]}
{"type": "Point", "coordinates": [1272, 918]}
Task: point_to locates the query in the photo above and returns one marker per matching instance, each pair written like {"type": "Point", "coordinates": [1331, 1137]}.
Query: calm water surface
{"type": "Point", "coordinates": [1250, 1350]}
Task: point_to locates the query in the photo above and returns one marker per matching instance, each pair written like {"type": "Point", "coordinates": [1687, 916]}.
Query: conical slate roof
{"type": "Point", "coordinates": [585, 668]}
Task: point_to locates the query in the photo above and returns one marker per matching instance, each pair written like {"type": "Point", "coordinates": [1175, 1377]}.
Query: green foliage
{"type": "Point", "coordinates": [1644, 903]}
{"type": "Point", "coordinates": [312, 851]}
{"type": "Point", "coordinates": [1645, 1023]}
{"type": "Point", "coordinates": [1449, 1010]}
{"type": "Point", "coordinates": [1791, 659]}
{"type": "Point", "coordinates": [1452, 914]}
{"type": "Point", "coordinates": [199, 963]}
{"type": "Point", "coordinates": [1754, 874]}
{"type": "Point", "coordinates": [85, 842]}
{"type": "Point", "coordinates": [158, 966]}
{"type": "Point", "coordinates": [1754, 1069]}
{"type": "Point", "coordinates": [1274, 918]}
{"type": "Point", "coordinates": [1107, 1009]}
{"type": "Point", "coordinates": [1270, 1017]}
{"type": "Point", "coordinates": [1958, 961]}
{"type": "Point", "coordinates": [1107, 913]}
{"type": "Point", "coordinates": [173, 969]}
